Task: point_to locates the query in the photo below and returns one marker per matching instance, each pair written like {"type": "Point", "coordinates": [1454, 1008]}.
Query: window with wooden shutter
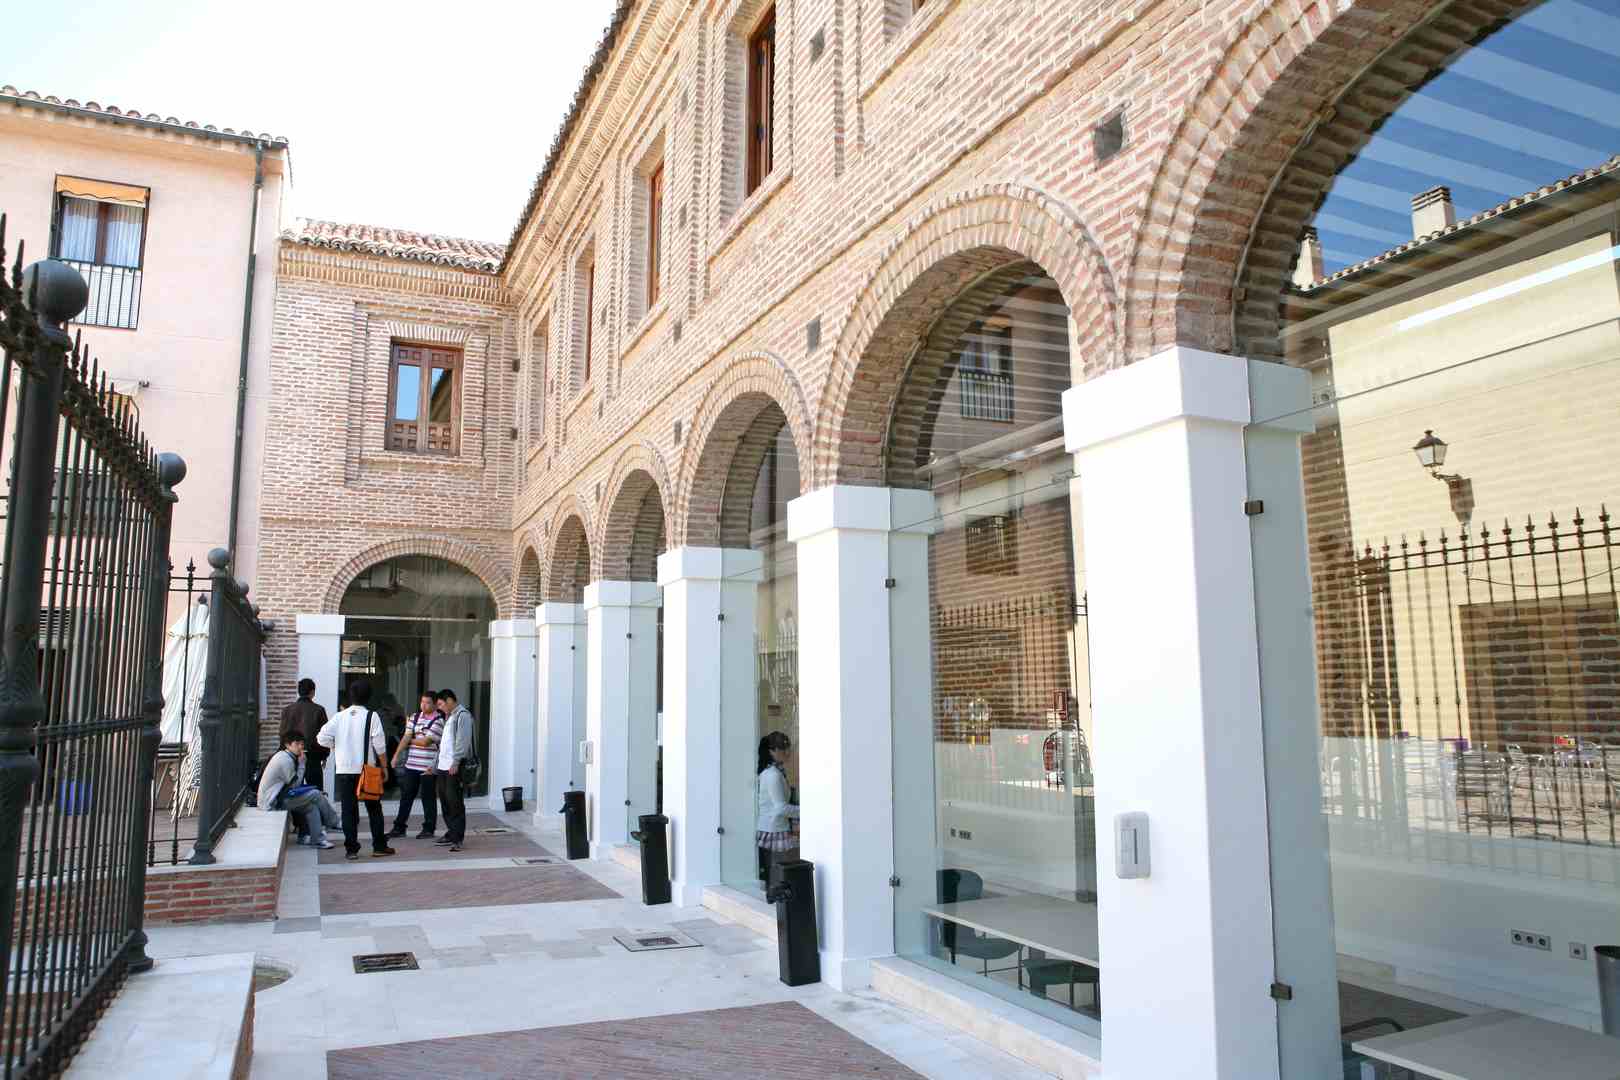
{"type": "Point", "coordinates": [761, 99]}
{"type": "Point", "coordinates": [424, 399]}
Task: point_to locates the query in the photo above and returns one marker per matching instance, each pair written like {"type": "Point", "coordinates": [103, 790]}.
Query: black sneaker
{"type": "Point", "coordinates": [455, 847]}
{"type": "Point", "coordinates": [426, 834]}
{"type": "Point", "coordinates": [397, 831]}
{"type": "Point", "coordinates": [352, 856]}
{"type": "Point", "coordinates": [443, 840]}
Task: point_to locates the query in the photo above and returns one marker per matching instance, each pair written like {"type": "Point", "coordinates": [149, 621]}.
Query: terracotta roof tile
{"type": "Point", "coordinates": [1610, 166]}
{"type": "Point", "coordinates": [135, 116]}
{"type": "Point", "coordinates": [621, 13]}
{"type": "Point", "coordinates": [397, 244]}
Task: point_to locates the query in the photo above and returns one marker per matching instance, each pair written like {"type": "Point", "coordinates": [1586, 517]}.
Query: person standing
{"type": "Point", "coordinates": [455, 747]}
{"type": "Point", "coordinates": [282, 787]}
{"type": "Point", "coordinates": [773, 831]}
{"type": "Point", "coordinates": [417, 760]}
{"type": "Point", "coordinates": [355, 736]}
{"type": "Point", "coordinates": [307, 718]}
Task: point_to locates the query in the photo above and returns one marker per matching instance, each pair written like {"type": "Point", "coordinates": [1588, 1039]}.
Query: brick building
{"type": "Point", "coordinates": [926, 381]}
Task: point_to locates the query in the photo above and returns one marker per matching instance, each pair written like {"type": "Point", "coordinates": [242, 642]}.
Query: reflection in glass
{"type": "Point", "coordinates": [1009, 792]}
{"type": "Point", "coordinates": [1461, 281]}
{"type": "Point", "coordinates": [407, 391]}
{"type": "Point", "coordinates": [441, 382]}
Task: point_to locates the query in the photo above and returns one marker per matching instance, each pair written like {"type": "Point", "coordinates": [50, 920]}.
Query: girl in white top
{"type": "Point", "coordinates": [773, 834]}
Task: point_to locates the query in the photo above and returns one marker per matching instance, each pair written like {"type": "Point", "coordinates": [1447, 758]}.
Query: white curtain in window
{"type": "Point", "coordinates": [79, 229]}
{"type": "Point", "coordinates": [124, 235]}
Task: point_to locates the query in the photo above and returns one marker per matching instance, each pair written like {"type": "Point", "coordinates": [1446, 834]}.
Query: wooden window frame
{"type": "Point", "coordinates": [655, 231]}
{"type": "Point", "coordinates": [103, 210]}
{"type": "Point", "coordinates": [760, 135]}
{"type": "Point", "coordinates": [397, 355]}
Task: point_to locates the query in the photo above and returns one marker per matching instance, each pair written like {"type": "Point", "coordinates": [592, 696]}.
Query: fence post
{"type": "Point", "coordinates": [171, 470]}
{"type": "Point", "coordinates": [55, 293]}
{"type": "Point", "coordinates": [212, 720]}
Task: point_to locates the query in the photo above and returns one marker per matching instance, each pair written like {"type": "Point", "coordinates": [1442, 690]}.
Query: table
{"type": "Point", "coordinates": [1496, 1046]}
{"type": "Point", "coordinates": [1061, 928]}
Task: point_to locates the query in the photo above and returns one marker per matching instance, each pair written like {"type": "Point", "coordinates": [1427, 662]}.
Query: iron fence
{"type": "Point", "coordinates": [1470, 685]}
{"type": "Point", "coordinates": [229, 718]}
{"type": "Point", "coordinates": [85, 572]}
{"type": "Point", "coordinates": [115, 294]}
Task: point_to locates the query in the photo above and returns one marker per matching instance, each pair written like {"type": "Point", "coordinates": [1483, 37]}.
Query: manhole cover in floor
{"type": "Point", "coordinates": [656, 940]}
{"type": "Point", "coordinates": [531, 860]}
{"type": "Point", "coordinates": [496, 830]}
{"type": "Point", "coordinates": [370, 963]}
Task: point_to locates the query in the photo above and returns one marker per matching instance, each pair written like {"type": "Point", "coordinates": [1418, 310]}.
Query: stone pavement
{"type": "Point", "coordinates": [535, 981]}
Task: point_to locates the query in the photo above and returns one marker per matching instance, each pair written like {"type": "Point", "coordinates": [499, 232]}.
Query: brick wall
{"type": "Point", "coordinates": [181, 895]}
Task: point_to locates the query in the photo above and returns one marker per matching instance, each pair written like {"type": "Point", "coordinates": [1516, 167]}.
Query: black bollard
{"type": "Point", "coordinates": [797, 948]}
{"type": "Point", "coordinates": [573, 812]}
{"type": "Point", "coordinates": [654, 858]}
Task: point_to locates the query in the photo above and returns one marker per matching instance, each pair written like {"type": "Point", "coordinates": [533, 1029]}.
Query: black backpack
{"type": "Point", "coordinates": [252, 798]}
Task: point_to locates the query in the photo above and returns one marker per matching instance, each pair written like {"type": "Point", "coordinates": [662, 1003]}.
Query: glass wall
{"type": "Point", "coordinates": [416, 623]}
{"type": "Point", "coordinates": [1458, 307]}
{"type": "Point", "coordinates": [759, 666]}
{"type": "Point", "coordinates": [994, 818]}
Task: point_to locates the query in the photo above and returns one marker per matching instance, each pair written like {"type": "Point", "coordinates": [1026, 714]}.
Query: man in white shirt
{"type": "Point", "coordinates": [355, 735]}
{"type": "Point", "coordinates": [455, 747]}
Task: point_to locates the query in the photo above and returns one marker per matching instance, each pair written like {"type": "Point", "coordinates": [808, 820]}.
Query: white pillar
{"type": "Point", "coordinates": [1187, 951]}
{"type": "Point", "coordinates": [621, 706]}
{"type": "Point", "coordinates": [320, 657]}
{"type": "Point", "coordinates": [851, 541]}
{"type": "Point", "coordinates": [512, 708]}
{"type": "Point", "coordinates": [560, 722]}
{"type": "Point", "coordinates": [710, 729]}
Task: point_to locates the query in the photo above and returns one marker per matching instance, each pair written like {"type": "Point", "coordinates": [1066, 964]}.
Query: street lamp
{"type": "Point", "coordinates": [1431, 454]}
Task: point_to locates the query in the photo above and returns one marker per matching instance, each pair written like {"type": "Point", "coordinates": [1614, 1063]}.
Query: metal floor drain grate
{"type": "Point", "coordinates": [369, 963]}
{"type": "Point", "coordinates": [496, 830]}
{"type": "Point", "coordinates": [531, 860]}
{"type": "Point", "coordinates": [656, 940]}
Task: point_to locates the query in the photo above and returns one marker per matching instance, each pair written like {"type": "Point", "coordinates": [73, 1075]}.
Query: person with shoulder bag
{"type": "Point", "coordinates": [416, 760]}
{"type": "Point", "coordinates": [458, 762]}
{"type": "Point", "coordinates": [359, 750]}
{"type": "Point", "coordinates": [282, 787]}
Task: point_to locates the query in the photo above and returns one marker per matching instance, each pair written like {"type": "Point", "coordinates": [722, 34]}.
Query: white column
{"type": "Point", "coordinates": [320, 657]}
{"type": "Point", "coordinates": [560, 723]}
{"type": "Point", "coordinates": [710, 729]}
{"type": "Point", "coordinates": [847, 550]}
{"type": "Point", "coordinates": [512, 709]}
{"type": "Point", "coordinates": [1175, 689]}
{"type": "Point", "coordinates": [620, 704]}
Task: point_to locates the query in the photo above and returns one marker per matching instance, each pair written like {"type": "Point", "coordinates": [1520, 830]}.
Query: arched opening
{"type": "Point", "coordinates": [415, 624]}
{"type": "Point", "coordinates": [1455, 296]}
{"type": "Point", "coordinates": [527, 590]}
{"type": "Point", "coordinates": [993, 781]}
{"type": "Point", "coordinates": [747, 473]}
{"type": "Point", "coordinates": [633, 537]}
{"type": "Point", "coordinates": [570, 568]}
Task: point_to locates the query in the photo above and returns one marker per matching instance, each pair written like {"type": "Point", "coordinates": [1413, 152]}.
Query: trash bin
{"type": "Point", "coordinates": [654, 858]}
{"type": "Point", "coordinates": [573, 812]}
{"type": "Point", "coordinates": [1608, 973]}
{"type": "Point", "coordinates": [797, 949]}
{"type": "Point", "coordinates": [513, 797]}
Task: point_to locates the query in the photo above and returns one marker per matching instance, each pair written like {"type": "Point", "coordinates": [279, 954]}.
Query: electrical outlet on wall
{"type": "Point", "coordinates": [1531, 939]}
{"type": "Point", "coordinates": [1577, 950]}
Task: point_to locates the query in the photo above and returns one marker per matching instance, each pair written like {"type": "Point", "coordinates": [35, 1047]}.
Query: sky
{"type": "Point", "coordinates": [427, 116]}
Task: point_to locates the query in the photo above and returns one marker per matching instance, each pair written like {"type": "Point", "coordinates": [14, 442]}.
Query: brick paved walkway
{"type": "Point", "coordinates": [478, 845]}
{"type": "Point", "coordinates": [783, 1041]}
{"type": "Point", "coordinates": [420, 890]}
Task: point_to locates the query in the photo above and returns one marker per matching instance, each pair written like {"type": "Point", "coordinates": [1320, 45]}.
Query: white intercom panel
{"type": "Point", "coordinates": [1131, 858]}
{"type": "Point", "coordinates": [585, 751]}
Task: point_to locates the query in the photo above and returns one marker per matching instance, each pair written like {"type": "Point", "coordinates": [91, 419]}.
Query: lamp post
{"type": "Point", "coordinates": [1431, 454]}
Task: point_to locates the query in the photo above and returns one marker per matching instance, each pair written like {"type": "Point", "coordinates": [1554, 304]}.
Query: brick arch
{"type": "Point", "coordinates": [497, 579]}
{"type": "Point", "coordinates": [567, 569]}
{"type": "Point", "coordinates": [735, 412]}
{"type": "Point", "coordinates": [526, 582]}
{"type": "Point", "coordinates": [1282, 111]}
{"type": "Point", "coordinates": [952, 244]}
{"type": "Point", "coordinates": [635, 526]}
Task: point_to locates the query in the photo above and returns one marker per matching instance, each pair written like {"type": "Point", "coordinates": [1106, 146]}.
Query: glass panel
{"type": "Point", "coordinates": [124, 226]}
{"type": "Point", "coordinates": [441, 394]}
{"type": "Point", "coordinates": [642, 763]}
{"type": "Point", "coordinates": [995, 837]}
{"type": "Point", "coordinates": [1462, 744]}
{"type": "Point", "coordinates": [407, 391]}
{"type": "Point", "coordinates": [418, 623]}
{"type": "Point", "coordinates": [78, 229]}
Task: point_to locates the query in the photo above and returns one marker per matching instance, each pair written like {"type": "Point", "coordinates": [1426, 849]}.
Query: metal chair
{"type": "Point", "coordinates": [959, 885]}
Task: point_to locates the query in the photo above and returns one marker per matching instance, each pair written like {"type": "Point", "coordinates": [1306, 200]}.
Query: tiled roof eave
{"type": "Point", "coordinates": [112, 113]}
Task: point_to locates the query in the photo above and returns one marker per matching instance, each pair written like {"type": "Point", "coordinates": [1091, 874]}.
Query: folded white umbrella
{"type": "Point", "coordinates": [185, 660]}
